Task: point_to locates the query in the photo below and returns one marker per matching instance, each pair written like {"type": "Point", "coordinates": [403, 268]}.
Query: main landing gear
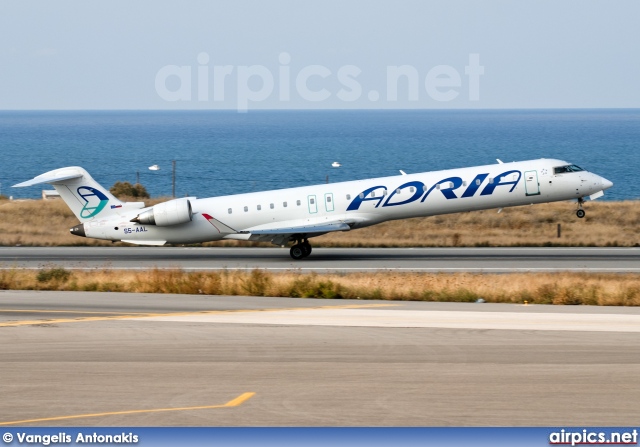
{"type": "Point", "coordinates": [580, 213]}
{"type": "Point", "coordinates": [300, 250]}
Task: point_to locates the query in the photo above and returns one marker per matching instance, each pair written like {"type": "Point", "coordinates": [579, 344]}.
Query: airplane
{"type": "Point", "coordinates": [298, 214]}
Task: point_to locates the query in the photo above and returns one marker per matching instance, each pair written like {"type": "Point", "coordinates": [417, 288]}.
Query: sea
{"type": "Point", "coordinates": [226, 152]}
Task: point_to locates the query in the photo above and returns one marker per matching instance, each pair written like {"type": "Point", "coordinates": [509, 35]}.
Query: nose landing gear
{"type": "Point", "coordinates": [300, 250]}
{"type": "Point", "coordinates": [580, 213]}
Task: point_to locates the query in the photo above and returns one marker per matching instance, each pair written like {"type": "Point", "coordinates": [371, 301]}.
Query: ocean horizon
{"type": "Point", "coordinates": [221, 152]}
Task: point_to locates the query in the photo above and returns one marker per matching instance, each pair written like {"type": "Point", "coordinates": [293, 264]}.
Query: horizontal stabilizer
{"type": "Point", "coordinates": [51, 177]}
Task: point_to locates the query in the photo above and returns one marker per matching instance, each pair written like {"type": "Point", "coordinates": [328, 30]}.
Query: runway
{"type": "Point", "coordinates": [107, 359]}
{"type": "Point", "coordinates": [489, 260]}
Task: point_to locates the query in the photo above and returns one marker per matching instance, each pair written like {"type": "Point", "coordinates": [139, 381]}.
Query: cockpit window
{"type": "Point", "coordinates": [568, 168]}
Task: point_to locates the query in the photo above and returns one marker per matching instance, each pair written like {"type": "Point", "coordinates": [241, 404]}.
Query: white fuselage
{"type": "Point", "coordinates": [360, 203]}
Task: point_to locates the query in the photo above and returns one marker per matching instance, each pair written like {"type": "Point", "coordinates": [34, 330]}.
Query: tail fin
{"type": "Point", "coordinates": [86, 198]}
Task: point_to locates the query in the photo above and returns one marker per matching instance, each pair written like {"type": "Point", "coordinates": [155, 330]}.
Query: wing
{"type": "Point", "coordinates": [282, 235]}
{"type": "Point", "coordinates": [279, 233]}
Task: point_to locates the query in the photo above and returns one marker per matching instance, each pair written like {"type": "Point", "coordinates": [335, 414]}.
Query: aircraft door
{"type": "Point", "coordinates": [328, 201]}
{"type": "Point", "coordinates": [313, 204]}
{"type": "Point", "coordinates": [531, 183]}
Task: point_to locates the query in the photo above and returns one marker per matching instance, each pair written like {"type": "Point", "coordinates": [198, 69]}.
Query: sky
{"type": "Point", "coordinates": [248, 55]}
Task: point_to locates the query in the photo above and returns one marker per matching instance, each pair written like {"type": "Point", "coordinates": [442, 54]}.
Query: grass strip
{"type": "Point", "coordinates": [608, 224]}
{"type": "Point", "coordinates": [535, 288]}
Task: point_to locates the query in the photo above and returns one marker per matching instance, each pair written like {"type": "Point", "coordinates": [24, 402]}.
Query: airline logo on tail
{"type": "Point", "coordinates": [94, 201]}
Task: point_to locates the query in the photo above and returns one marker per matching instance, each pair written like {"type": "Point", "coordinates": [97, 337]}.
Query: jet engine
{"type": "Point", "coordinates": [164, 214]}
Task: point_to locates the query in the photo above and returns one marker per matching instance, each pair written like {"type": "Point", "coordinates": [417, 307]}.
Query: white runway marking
{"type": "Point", "coordinates": [422, 319]}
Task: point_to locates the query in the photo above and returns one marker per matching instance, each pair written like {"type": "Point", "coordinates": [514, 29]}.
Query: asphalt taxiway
{"type": "Point", "coordinates": [489, 260]}
{"type": "Point", "coordinates": [107, 359]}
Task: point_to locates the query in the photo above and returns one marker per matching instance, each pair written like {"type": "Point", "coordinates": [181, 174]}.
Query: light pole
{"type": "Point", "coordinates": [173, 176]}
{"type": "Point", "coordinates": [173, 183]}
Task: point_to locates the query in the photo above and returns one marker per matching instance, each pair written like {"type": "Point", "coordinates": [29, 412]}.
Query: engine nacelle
{"type": "Point", "coordinates": [164, 214]}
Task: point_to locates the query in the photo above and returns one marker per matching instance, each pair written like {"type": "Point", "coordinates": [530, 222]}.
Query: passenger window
{"type": "Point", "coordinates": [361, 196]}
{"type": "Point", "coordinates": [298, 202]}
{"type": "Point", "coordinates": [328, 199]}
{"type": "Point", "coordinates": [246, 208]}
{"type": "Point", "coordinates": [373, 194]}
{"type": "Point", "coordinates": [478, 182]}
{"type": "Point", "coordinates": [259, 207]}
{"type": "Point", "coordinates": [230, 210]}
{"type": "Point", "coordinates": [398, 191]}
{"type": "Point", "coordinates": [425, 188]}
{"type": "Point", "coordinates": [491, 181]}
{"type": "Point", "coordinates": [271, 205]}
{"type": "Point", "coordinates": [412, 189]}
{"type": "Point", "coordinates": [312, 201]}
{"type": "Point", "coordinates": [348, 196]}
{"type": "Point", "coordinates": [284, 204]}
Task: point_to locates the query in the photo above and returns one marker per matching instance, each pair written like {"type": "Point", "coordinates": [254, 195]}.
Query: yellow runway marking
{"type": "Point", "coordinates": [179, 314]}
{"type": "Point", "coordinates": [82, 312]}
{"type": "Point", "coordinates": [232, 403]}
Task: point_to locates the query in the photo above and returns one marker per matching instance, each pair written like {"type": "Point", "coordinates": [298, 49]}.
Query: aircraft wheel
{"type": "Point", "coordinates": [306, 246]}
{"type": "Point", "coordinates": [297, 252]}
{"type": "Point", "coordinates": [581, 214]}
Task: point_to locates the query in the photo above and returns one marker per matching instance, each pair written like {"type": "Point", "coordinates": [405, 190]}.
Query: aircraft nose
{"type": "Point", "coordinates": [606, 184]}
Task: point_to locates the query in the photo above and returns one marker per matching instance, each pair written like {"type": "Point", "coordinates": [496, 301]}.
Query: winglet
{"type": "Point", "coordinates": [222, 228]}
